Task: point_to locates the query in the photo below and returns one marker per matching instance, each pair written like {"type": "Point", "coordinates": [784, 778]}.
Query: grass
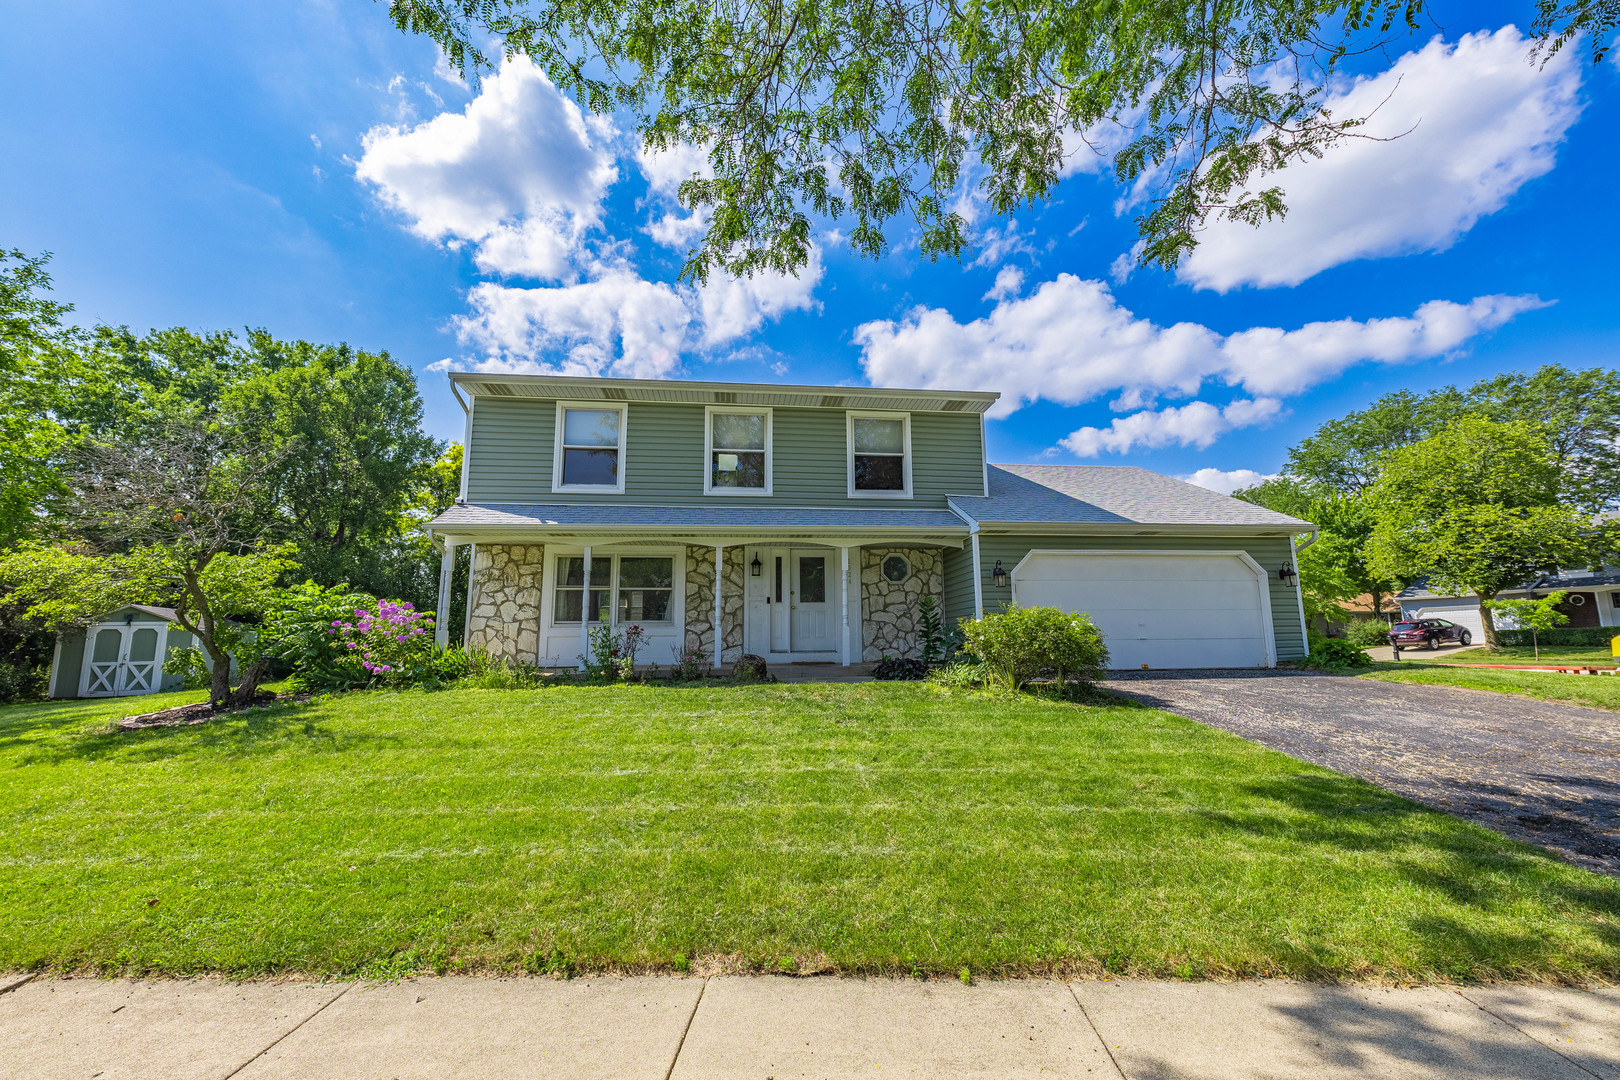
{"type": "Point", "coordinates": [1524, 654]}
{"type": "Point", "coordinates": [861, 828]}
{"type": "Point", "coordinates": [1598, 691]}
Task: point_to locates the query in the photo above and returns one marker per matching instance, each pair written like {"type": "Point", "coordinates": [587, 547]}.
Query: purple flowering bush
{"type": "Point", "coordinates": [386, 644]}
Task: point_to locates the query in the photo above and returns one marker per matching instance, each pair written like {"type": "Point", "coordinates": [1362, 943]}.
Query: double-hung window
{"type": "Point", "coordinates": [631, 588]}
{"type": "Point", "coordinates": [590, 448]}
{"type": "Point", "coordinates": [739, 452]}
{"type": "Point", "coordinates": [879, 455]}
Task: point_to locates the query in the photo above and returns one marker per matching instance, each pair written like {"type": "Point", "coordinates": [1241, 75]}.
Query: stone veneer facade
{"type": "Point", "coordinates": [505, 620]}
{"type": "Point", "coordinates": [700, 602]}
{"type": "Point", "coordinates": [889, 608]}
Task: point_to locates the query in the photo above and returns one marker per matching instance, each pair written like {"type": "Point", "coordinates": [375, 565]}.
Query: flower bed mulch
{"type": "Point", "coordinates": [200, 713]}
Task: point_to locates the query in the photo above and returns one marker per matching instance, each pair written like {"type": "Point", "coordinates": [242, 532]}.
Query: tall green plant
{"type": "Point", "coordinates": [1537, 616]}
{"type": "Point", "coordinates": [1020, 644]}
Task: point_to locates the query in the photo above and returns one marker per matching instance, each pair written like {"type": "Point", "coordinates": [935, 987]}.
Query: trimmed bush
{"type": "Point", "coordinates": [1563, 635]}
{"type": "Point", "coordinates": [899, 669]}
{"type": "Point", "coordinates": [1335, 653]}
{"type": "Point", "coordinates": [1021, 644]}
{"type": "Point", "coordinates": [1367, 633]}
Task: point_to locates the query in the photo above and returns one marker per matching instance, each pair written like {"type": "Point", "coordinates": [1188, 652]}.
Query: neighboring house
{"type": "Point", "coordinates": [1593, 600]}
{"type": "Point", "coordinates": [125, 654]}
{"type": "Point", "coordinates": [826, 513]}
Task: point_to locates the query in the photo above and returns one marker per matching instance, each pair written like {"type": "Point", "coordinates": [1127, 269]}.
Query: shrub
{"type": "Point", "coordinates": [1335, 653]}
{"type": "Point", "coordinates": [691, 663]}
{"type": "Point", "coordinates": [961, 675]}
{"type": "Point", "coordinates": [389, 644]}
{"type": "Point", "coordinates": [1566, 636]}
{"type": "Point", "coordinates": [299, 631]}
{"type": "Point", "coordinates": [1367, 633]}
{"type": "Point", "coordinates": [1021, 644]}
{"type": "Point", "coordinates": [899, 669]}
{"type": "Point", "coordinates": [21, 681]}
{"type": "Point", "coordinates": [480, 671]}
{"type": "Point", "coordinates": [192, 667]}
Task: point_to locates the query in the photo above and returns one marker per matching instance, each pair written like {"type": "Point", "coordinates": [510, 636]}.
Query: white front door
{"type": "Point", "coordinates": [811, 604]}
{"type": "Point", "coordinates": [122, 660]}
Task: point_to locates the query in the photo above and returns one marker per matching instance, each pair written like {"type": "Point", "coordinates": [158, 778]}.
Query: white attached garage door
{"type": "Point", "coordinates": [1159, 609]}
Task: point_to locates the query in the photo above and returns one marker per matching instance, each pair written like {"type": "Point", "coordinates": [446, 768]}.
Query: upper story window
{"type": "Point", "coordinates": [739, 452]}
{"type": "Point", "coordinates": [880, 455]}
{"type": "Point", "coordinates": [590, 448]}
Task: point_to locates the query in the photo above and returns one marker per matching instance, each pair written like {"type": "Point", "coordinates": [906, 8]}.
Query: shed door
{"type": "Point", "coordinates": [1169, 610]}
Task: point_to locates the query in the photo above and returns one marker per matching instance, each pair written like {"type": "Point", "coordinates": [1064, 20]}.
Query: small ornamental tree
{"type": "Point", "coordinates": [1020, 644]}
{"type": "Point", "coordinates": [1536, 616]}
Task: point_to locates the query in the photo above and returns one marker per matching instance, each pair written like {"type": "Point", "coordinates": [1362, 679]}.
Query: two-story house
{"type": "Point", "coordinates": [808, 522]}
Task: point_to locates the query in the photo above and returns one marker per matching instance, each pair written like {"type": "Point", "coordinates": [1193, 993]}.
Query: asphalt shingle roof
{"type": "Point", "coordinates": [1108, 494]}
{"type": "Point", "coordinates": [1564, 579]}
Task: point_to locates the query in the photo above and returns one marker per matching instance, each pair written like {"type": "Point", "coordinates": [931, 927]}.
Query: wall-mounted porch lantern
{"type": "Point", "coordinates": [998, 576]}
{"type": "Point", "coordinates": [1286, 572]}
{"type": "Point", "coordinates": [756, 567]}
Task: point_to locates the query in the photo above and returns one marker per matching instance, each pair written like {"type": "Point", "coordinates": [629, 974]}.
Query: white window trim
{"type": "Point", "coordinates": [849, 453]}
{"type": "Point", "coordinates": [677, 599]}
{"type": "Point", "coordinates": [557, 486]}
{"type": "Point", "coordinates": [708, 449]}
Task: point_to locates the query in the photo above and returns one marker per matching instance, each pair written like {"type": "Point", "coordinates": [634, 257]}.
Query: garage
{"type": "Point", "coordinates": [1159, 609]}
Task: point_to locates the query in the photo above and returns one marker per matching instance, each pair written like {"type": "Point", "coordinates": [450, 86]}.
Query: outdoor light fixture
{"type": "Point", "coordinates": [756, 567]}
{"type": "Point", "coordinates": [998, 576]}
{"type": "Point", "coordinates": [1286, 572]}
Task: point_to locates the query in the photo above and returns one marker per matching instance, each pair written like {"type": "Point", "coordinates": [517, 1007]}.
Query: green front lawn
{"type": "Point", "coordinates": [877, 827]}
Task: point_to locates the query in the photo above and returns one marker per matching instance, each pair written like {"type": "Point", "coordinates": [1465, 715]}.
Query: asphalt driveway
{"type": "Point", "coordinates": [1539, 771]}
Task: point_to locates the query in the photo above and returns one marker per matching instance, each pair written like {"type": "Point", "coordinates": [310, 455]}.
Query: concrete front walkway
{"type": "Point", "coordinates": [822, 1028]}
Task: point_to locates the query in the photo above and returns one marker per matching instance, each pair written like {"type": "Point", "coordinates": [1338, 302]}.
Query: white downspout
{"type": "Point", "coordinates": [978, 573]}
{"type": "Point", "coordinates": [1299, 592]}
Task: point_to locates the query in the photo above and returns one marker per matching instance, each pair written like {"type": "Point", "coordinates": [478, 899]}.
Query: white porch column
{"type": "Point", "coordinates": [585, 613]}
{"type": "Point", "coordinates": [472, 571]}
{"type": "Point", "coordinates": [978, 577]}
{"type": "Point", "coordinates": [719, 577]}
{"type": "Point", "coordinates": [843, 604]}
{"type": "Point", "coordinates": [441, 618]}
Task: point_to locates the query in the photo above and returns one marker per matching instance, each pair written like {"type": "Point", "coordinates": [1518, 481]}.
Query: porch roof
{"type": "Point", "coordinates": [521, 520]}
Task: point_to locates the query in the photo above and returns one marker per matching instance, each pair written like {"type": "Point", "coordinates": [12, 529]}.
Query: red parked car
{"type": "Point", "coordinates": [1428, 634]}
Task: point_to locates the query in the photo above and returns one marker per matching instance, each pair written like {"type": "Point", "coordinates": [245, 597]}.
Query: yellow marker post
{"type": "Point", "coordinates": [1614, 646]}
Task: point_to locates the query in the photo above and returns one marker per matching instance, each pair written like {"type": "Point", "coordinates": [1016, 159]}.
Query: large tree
{"type": "Point", "coordinates": [876, 108]}
{"type": "Point", "coordinates": [1335, 567]}
{"type": "Point", "coordinates": [1478, 508]}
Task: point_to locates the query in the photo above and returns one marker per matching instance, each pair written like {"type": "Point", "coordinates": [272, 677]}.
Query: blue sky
{"type": "Point", "coordinates": [306, 168]}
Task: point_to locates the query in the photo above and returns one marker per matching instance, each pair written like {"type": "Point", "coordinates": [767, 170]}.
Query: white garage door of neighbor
{"type": "Point", "coordinates": [1461, 614]}
{"type": "Point", "coordinates": [1172, 610]}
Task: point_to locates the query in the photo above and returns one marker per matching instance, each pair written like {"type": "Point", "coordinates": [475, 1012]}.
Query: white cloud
{"type": "Point", "coordinates": [1009, 282]}
{"type": "Point", "coordinates": [1198, 424]}
{"type": "Point", "coordinates": [1480, 121]}
{"type": "Point", "coordinates": [1227, 481]}
{"type": "Point", "coordinates": [996, 244]}
{"type": "Point", "coordinates": [666, 171]}
{"type": "Point", "coordinates": [732, 307]}
{"type": "Point", "coordinates": [617, 324]}
{"type": "Point", "coordinates": [1070, 341]}
{"type": "Point", "coordinates": [521, 172]}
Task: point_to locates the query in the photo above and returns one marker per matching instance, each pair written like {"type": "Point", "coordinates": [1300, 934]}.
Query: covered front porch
{"type": "Point", "coordinates": [814, 595]}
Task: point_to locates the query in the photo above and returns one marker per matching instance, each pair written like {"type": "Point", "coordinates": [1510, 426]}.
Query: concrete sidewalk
{"type": "Point", "coordinates": [759, 1028]}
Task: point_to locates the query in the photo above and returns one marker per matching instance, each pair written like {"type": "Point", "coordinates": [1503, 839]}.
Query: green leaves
{"type": "Point", "coordinates": [909, 102]}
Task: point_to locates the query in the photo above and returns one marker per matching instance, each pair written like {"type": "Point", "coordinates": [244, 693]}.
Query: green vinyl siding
{"type": "Point", "coordinates": [1269, 551]}
{"type": "Point", "coordinates": [958, 599]}
{"type": "Point", "coordinates": [511, 456]}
